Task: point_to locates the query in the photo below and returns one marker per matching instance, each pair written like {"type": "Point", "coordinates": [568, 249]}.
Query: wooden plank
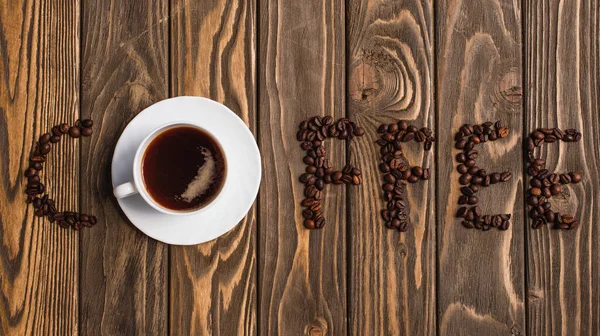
{"type": "Point", "coordinates": [213, 285]}
{"type": "Point", "coordinates": [390, 62]}
{"type": "Point", "coordinates": [562, 40]}
{"type": "Point", "coordinates": [302, 273]}
{"type": "Point", "coordinates": [481, 274]}
{"type": "Point", "coordinates": [124, 275]}
{"type": "Point", "coordinates": [38, 260]}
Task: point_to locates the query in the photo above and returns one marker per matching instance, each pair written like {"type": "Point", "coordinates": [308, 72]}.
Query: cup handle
{"type": "Point", "coordinates": [125, 190]}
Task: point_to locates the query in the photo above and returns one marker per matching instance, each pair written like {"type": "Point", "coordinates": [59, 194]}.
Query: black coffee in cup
{"type": "Point", "coordinates": [183, 168]}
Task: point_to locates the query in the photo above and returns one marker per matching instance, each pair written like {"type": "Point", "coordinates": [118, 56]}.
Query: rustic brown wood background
{"type": "Point", "coordinates": [439, 64]}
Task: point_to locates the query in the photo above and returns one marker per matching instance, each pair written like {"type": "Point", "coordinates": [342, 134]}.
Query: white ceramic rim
{"type": "Point", "coordinates": [138, 180]}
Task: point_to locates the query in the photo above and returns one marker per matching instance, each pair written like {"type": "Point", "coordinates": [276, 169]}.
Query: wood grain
{"type": "Point", "coordinates": [213, 285]}
{"type": "Point", "coordinates": [563, 61]}
{"type": "Point", "coordinates": [124, 273]}
{"type": "Point", "coordinates": [38, 260]}
{"type": "Point", "coordinates": [481, 274]}
{"type": "Point", "coordinates": [302, 273]}
{"type": "Point", "coordinates": [390, 66]}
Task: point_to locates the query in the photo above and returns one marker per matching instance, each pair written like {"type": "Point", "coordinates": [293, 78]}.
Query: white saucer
{"type": "Point", "coordinates": [239, 191]}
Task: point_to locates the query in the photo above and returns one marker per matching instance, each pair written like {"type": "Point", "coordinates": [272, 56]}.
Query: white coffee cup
{"type": "Point", "coordinates": [136, 186]}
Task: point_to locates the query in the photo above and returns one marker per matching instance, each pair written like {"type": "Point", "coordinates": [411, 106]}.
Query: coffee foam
{"type": "Point", "coordinates": [203, 179]}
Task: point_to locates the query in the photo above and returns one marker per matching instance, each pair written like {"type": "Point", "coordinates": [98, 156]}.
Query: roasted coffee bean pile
{"type": "Point", "coordinates": [319, 172]}
{"type": "Point", "coordinates": [543, 184]}
{"type": "Point", "coordinates": [43, 205]}
{"type": "Point", "coordinates": [396, 170]}
{"type": "Point", "coordinates": [472, 177]}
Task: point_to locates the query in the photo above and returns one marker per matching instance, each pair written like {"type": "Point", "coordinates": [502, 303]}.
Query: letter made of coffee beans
{"type": "Point", "coordinates": [397, 172]}
{"type": "Point", "coordinates": [319, 172]}
{"type": "Point", "coordinates": [472, 177]}
{"type": "Point", "coordinates": [543, 184]}
{"type": "Point", "coordinates": [43, 205]}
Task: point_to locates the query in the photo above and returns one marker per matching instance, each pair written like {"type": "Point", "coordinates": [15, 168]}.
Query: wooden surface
{"type": "Point", "coordinates": [563, 277]}
{"type": "Point", "coordinates": [275, 63]}
{"type": "Point", "coordinates": [391, 76]}
{"type": "Point", "coordinates": [302, 274]}
{"type": "Point", "coordinates": [479, 62]}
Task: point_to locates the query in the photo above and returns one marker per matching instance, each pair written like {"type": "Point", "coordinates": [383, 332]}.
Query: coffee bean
{"type": "Point", "coordinates": [565, 178]}
{"type": "Point", "coordinates": [495, 178]}
{"type": "Point", "coordinates": [408, 137]}
{"type": "Point", "coordinates": [535, 191]}
{"type": "Point", "coordinates": [389, 178]}
{"type": "Point", "coordinates": [461, 168]}
{"type": "Point", "coordinates": [309, 224]}
{"type": "Point", "coordinates": [311, 169]}
{"type": "Point", "coordinates": [384, 168]}
{"type": "Point", "coordinates": [356, 180]}
{"type": "Point", "coordinates": [320, 184]}
{"type": "Point", "coordinates": [30, 172]}
{"type": "Point", "coordinates": [537, 135]}
{"type": "Point", "coordinates": [44, 138]}
{"type": "Point", "coordinates": [388, 187]}
{"type": "Point", "coordinates": [308, 160]}
{"type": "Point", "coordinates": [467, 224]}
{"type": "Point", "coordinates": [473, 170]}
{"type": "Point", "coordinates": [426, 174]}
{"type": "Point", "coordinates": [466, 191]}
{"type": "Point", "coordinates": [505, 176]}
{"type": "Point", "coordinates": [477, 211]}
{"type": "Point", "coordinates": [33, 179]}
{"type": "Point", "coordinates": [575, 177]}
{"type": "Point", "coordinates": [474, 187]}
{"type": "Point", "coordinates": [413, 179]}
{"type": "Point", "coordinates": [475, 139]}
{"type": "Point", "coordinates": [302, 133]}
{"type": "Point", "coordinates": [307, 202]}
{"type": "Point", "coordinates": [550, 216]}
{"type": "Point", "coordinates": [346, 179]}
{"type": "Point", "coordinates": [417, 171]}
{"type": "Point", "coordinates": [304, 177]}
{"type": "Point", "coordinates": [74, 132]}
{"type": "Point", "coordinates": [473, 154]}
{"type": "Point", "coordinates": [318, 195]}
{"type": "Point", "coordinates": [406, 174]}
{"type": "Point", "coordinates": [539, 162]}
{"type": "Point", "coordinates": [460, 144]}
{"type": "Point", "coordinates": [463, 199]}
{"type": "Point", "coordinates": [542, 174]}
{"type": "Point", "coordinates": [470, 163]}
{"type": "Point", "coordinates": [55, 139]}
{"type": "Point", "coordinates": [37, 166]}
{"type": "Point", "coordinates": [470, 216]}
{"type": "Point", "coordinates": [465, 179]}
{"type": "Point", "coordinates": [45, 148]}
{"type": "Point", "coordinates": [555, 189]}
{"type": "Point", "coordinates": [461, 212]}
{"type": "Point", "coordinates": [472, 200]}
{"type": "Point", "coordinates": [307, 214]}
{"type": "Point", "coordinates": [461, 157]}
{"type": "Point", "coordinates": [546, 192]}
{"type": "Point", "coordinates": [382, 129]}
{"type": "Point", "coordinates": [532, 200]}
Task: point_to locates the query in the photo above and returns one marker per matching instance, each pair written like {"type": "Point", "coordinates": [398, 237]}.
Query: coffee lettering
{"type": "Point", "coordinates": [473, 178]}
{"type": "Point", "coordinates": [397, 171]}
{"type": "Point", "coordinates": [544, 185]}
{"type": "Point", "coordinates": [319, 172]}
